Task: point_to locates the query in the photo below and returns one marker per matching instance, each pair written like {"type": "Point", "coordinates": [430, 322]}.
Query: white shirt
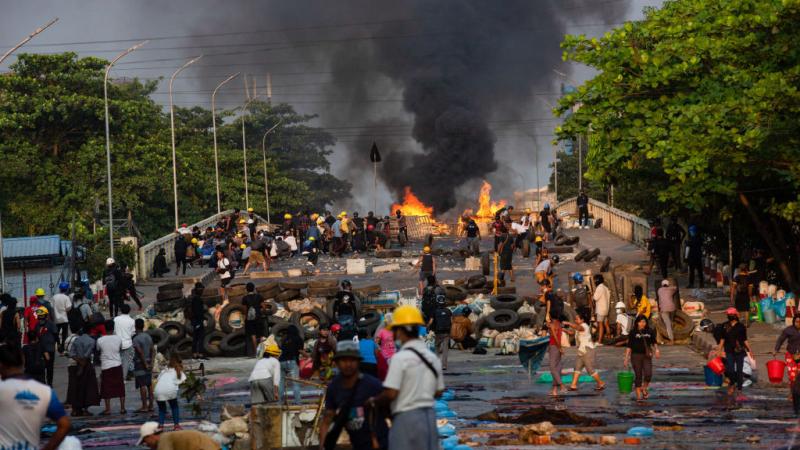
{"type": "Point", "coordinates": [265, 369]}
{"type": "Point", "coordinates": [109, 351]}
{"type": "Point", "coordinates": [168, 384]}
{"type": "Point", "coordinates": [292, 242]}
{"type": "Point", "coordinates": [519, 228]}
{"type": "Point", "coordinates": [624, 323]}
{"type": "Point", "coordinates": [61, 304]}
{"type": "Point", "coordinates": [414, 382]}
{"type": "Point", "coordinates": [223, 264]}
{"type": "Point", "coordinates": [544, 266]}
{"type": "Point", "coordinates": [24, 404]}
{"type": "Point", "coordinates": [125, 328]}
{"type": "Point", "coordinates": [584, 337]}
{"type": "Point", "coordinates": [602, 297]}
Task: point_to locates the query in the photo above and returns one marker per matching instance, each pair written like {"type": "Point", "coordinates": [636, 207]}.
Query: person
{"type": "Point", "coordinates": [473, 233]}
{"type": "Point", "coordinates": [675, 235]}
{"type": "Point", "coordinates": [586, 354]}
{"type": "Point", "coordinates": [641, 302]}
{"type": "Point", "coordinates": [555, 311]}
{"type": "Point", "coordinates": [733, 347]}
{"type": "Point", "coordinates": [580, 297]}
{"type": "Point", "coordinates": [695, 256]}
{"type": "Point", "coordinates": [505, 251]}
{"type": "Point", "coordinates": [9, 321]}
{"type": "Point", "coordinates": [225, 271]}
{"type": "Point", "coordinates": [583, 209]}
{"type": "Point", "coordinates": [112, 382]}
{"type": "Point", "coordinates": [160, 266]}
{"type": "Point", "coordinates": [427, 267]}
{"type": "Point", "coordinates": [624, 321]}
{"type": "Point", "coordinates": [369, 353]}
{"type": "Point", "coordinates": [291, 348]}
{"type": "Point", "coordinates": [24, 405]}
{"type": "Point", "coordinates": [402, 228]}
{"type": "Point", "coordinates": [499, 228]}
{"type": "Point", "coordinates": [662, 248]}
{"type": "Point", "coordinates": [544, 220]}
{"type": "Point", "coordinates": [385, 339]}
{"type": "Point", "coordinates": [322, 352]}
{"type": "Point", "coordinates": [257, 256]}
{"type": "Point", "coordinates": [602, 305]}
{"type": "Point", "coordinates": [253, 323]}
{"type": "Point", "coordinates": [641, 348]}
{"type": "Point", "coordinates": [666, 306]}
{"type": "Point", "coordinates": [461, 329]}
{"type": "Point", "coordinates": [741, 293]}
{"type": "Point", "coordinates": [338, 243]}
{"type": "Point", "coordinates": [197, 317]}
{"type": "Point", "coordinates": [429, 294]}
{"type": "Point", "coordinates": [790, 335]}
{"type": "Point", "coordinates": [112, 279]}
{"type": "Point", "coordinates": [544, 270]}
{"type": "Point", "coordinates": [412, 384]}
{"type": "Point", "coordinates": [129, 286]}
{"type": "Point", "coordinates": [166, 391]}
{"type": "Point", "coordinates": [48, 336]}
{"type": "Point", "coordinates": [180, 248]}
{"type": "Point", "coordinates": [34, 358]}
{"type": "Point", "coordinates": [143, 366]}
{"type": "Point", "coordinates": [346, 405]}
{"type": "Point", "coordinates": [265, 378]}
{"type": "Point", "coordinates": [151, 435]}
{"type": "Point", "coordinates": [30, 315]}
{"type": "Point", "coordinates": [85, 393]}
{"type": "Point", "coordinates": [125, 328]}
{"type": "Point", "coordinates": [61, 306]}
{"type": "Point", "coordinates": [441, 323]}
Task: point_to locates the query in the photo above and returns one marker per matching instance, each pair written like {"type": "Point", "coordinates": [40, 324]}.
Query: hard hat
{"type": "Point", "coordinates": [343, 213]}
{"type": "Point", "coordinates": [242, 221]}
{"type": "Point", "coordinates": [40, 292]}
{"type": "Point", "coordinates": [272, 349]}
{"type": "Point", "coordinates": [147, 429]}
{"type": "Point", "coordinates": [238, 234]}
{"type": "Point", "coordinates": [440, 299]}
{"type": "Point", "coordinates": [619, 305]}
{"type": "Point", "coordinates": [314, 216]}
{"type": "Point", "coordinates": [577, 277]}
{"type": "Point", "coordinates": [538, 239]}
{"type": "Point", "coordinates": [336, 328]}
{"type": "Point", "coordinates": [242, 246]}
{"type": "Point", "coordinates": [63, 286]}
{"type": "Point", "coordinates": [41, 311]}
{"type": "Point", "coordinates": [346, 284]}
{"type": "Point", "coordinates": [707, 325]}
{"type": "Point", "coordinates": [426, 249]}
{"type": "Point", "coordinates": [692, 230]}
{"type": "Point", "coordinates": [732, 312]}
{"type": "Point", "coordinates": [347, 349]}
{"type": "Point", "coordinates": [547, 206]}
{"type": "Point", "coordinates": [287, 216]}
{"type": "Point", "coordinates": [370, 227]}
{"type": "Point", "coordinates": [320, 220]}
{"type": "Point", "coordinates": [194, 241]}
{"type": "Point", "coordinates": [555, 259]}
{"type": "Point", "coordinates": [406, 315]}
{"type": "Point", "coordinates": [249, 209]}
{"type": "Point", "coordinates": [527, 210]}
{"type": "Point", "coordinates": [109, 261]}
{"type": "Point", "coordinates": [312, 238]}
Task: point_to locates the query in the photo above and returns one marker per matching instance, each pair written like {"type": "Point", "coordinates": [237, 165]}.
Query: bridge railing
{"type": "Point", "coordinates": [617, 222]}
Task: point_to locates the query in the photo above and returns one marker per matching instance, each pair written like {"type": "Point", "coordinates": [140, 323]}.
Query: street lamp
{"type": "Point", "coordinates": [172, 129]}
{"type": "Point", "coordinates": [264, 152]}
{"type": "Point", "coordinates": [244, 151]}
{"type": "Point", "coordinates": [214, 128]}
{"type": "Point", "coordinates": [28, 38]}
{"type": "Point", "coordinates": [108, 145]}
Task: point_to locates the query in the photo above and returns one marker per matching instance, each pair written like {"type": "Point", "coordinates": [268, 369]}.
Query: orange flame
{"type": "Point", "coordinates": [486, 207]}
{"type": "Point", "coordinates": [412, 205]}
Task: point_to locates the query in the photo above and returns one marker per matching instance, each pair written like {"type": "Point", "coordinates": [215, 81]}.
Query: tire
{"type": "Point", "coordinates": [323, 292]}
{"type": "Point", "coordinates": [324, 283]}
{"type": "Point", "coordinates": [211, 343]}
{"type": "Point", "coordinates": [461, 282]}
{"type": "Point", "coordinates": [208, 321]}
{"type": "Point", "coordinates": [526, 248]}
{"type": "Point", "coordinates": [527, 319]}
{"type": "Point", "coordinates": [272, 308]}
{"type": "Point", "coordinates": [174, 329]}
{"type": "Point", "coordinates": [169, 305]}
{"type": "Point", "coordinates": [212, 301]}
{"type": "Point", "coordinates": [486, 264]}
{"type": "Point", "coordinates": [279, 328]}
{"type": "Point", "coordinates": [169, 295]}
{"type": "Point", "coordinates": [366, 291]}
{"type": "Point", "coordinates": [270, 294]}
{"type": "Point", "coordinates": [503, 320]}
{"type": "Point", "coordinates": [682, 326]}
{"type": "Point", "coordinates": [237, 290]}
{"type": "Point", "coordinates": [476, 282]}
{"type": "Point", "coordinates": [266, 287]}
{"type": "Point", "coordinates": [573, 240]}
{"type": "Point", "coordinates": [231, 318]}
{"type": "Point", "coordinates": [183, 348]}
{"type": "Point", "coordinates": [369, 319]}
{"type": "Point", "coordinates": [592, 255]}
{"type": "Point", "coordinates": [561, 240]}
{"type": "Point", "coordinates": [316, 313]}
{"type": "Point", "coordinates": [170, 287]}
{"type": "Point", "coordinates": [581, 254]}
{"type": "Point", "coordinates": [455, 293]}
{"type": "Point", "coordinates": [606, 264]}
{"type": "Point", "coordinates": [598, 223]}
{"type": "Point", "coordinates": [159, 336]}
{"type": "Point", "coordinates": [506, 301]}
{"type": "Point", "coordinates": [506, 289]}
{"type": "Point", "coordinates": [292, 285]}
{"type": "Point", "coordinates": [389, 253]}
{"type": "Point", "coordinates": [285, 296]}
{"type": "Point", "coordinates": [210, 291]}
{"type": "Point", "coordinates": [233, 344]}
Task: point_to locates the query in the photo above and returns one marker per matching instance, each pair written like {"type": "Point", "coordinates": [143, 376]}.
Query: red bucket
{"type": "Point", "coordinates": [717, 366]}
{"type": "Point", "coordinates": [775, 369]}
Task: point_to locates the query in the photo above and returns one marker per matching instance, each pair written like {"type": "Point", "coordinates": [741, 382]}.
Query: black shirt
{"type": "Point", "coordinates": [639, 340]}
{"type": "Point", "coordinates": [359, 223]}
{"type": "Point", "coordinates": [357, 425]}
{"type": "Point", "coordinates": [345, 304]}
{"type": "Point", "coordinates": [662, 248]}
{"type": "Point", "coordinates": [556, 306]}
{"type": "Point", "coordinates": [290, 348]}
{"type": "Point", "coordinates": [198, 310]}
{"type": "Point", "coordinates": [734, 337]}
{"type": "Point", "coordinates": [675, 232]}
{"type": "Point", "coordinates": [253, 301]}
{"type": "Point", "coordinates": [472, 230]}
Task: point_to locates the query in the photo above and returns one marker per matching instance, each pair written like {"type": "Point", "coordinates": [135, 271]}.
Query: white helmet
{"type": "Point", "coordinates": [619, 305]}
{"type": "Point", "coordinates": [109, 261]}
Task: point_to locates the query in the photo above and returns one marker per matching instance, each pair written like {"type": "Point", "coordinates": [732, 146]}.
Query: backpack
{"type": "Point", "coordinates": [581, 296]}
{"type": "Point", "coordinates": [110, 280]}
{"type": "Point", "coordinates": [75, 319]}
{"type": "Point", "coordinates": [442, 319]}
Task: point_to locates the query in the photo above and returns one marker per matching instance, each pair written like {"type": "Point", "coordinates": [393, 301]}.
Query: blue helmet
{"type": "Point", "coordinates": [577, 277]}
{"type": "Point", "coordinates": [692, 230]}
{"type": "Point", "coordinates": [63, 286]}
{"type": "Point", "coordinates": [547, 206]}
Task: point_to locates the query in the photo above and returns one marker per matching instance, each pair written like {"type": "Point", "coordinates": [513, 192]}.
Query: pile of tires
{"type": "Point", "coordinates": [505, 316]}
{"type": "Point", "coordinates": [169, 297]}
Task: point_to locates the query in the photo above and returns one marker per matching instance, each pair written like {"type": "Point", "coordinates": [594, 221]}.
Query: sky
{"type": "Point", "coordinates": [321, 57]}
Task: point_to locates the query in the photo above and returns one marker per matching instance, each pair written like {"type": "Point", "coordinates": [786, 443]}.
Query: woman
{"type": "Point", "coordinates": [641, 348]}
{"type": "Point", "coordinates": [585, 357]}
{"type": "Point", "coordinates": [506, 252]}
{"type": "Point", "coordinates": [642, 302]}
{"type": "Point", "coordinates": [385, 339]}
{"type": "Point", "coordinates": [9, 320]}
{"type": "Point", "coordinates": [166, 391]}
{"type": "Point", "coordinates": [225, 271]}
{"type": "Point", "coordinates": [741, 293]}
{"type": "Point", "coordinates": [265, 378]}
{"type": "Point", "coordinates": [369, 353]}
{"type": "Point", "coordinates": [555, 311]}
{"type": "Point", "coordinates": [790, 335]}
{"type": "Point", "coordinates": [733, 347]}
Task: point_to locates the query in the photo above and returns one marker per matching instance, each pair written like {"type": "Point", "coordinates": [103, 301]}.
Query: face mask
{"type": "Point", "coordinates": [731, 318]}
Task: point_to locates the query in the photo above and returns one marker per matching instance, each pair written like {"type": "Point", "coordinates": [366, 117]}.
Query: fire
{"type": "Point", "coordinates": [486, 207]}
{"type": "Point", "coordinates": [412, 205]}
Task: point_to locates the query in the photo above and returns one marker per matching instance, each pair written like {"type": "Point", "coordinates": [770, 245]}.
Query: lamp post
{"type": "Point", "coordinates": [264, 152]}
{"type": "Point", "coordinates": [172, 130]}
{"type": "Point", "coordinates": [108, 145]}
{"type": "Point", "coordinates": [28, 38]}
{"type": "Point", "coordinates": [244, 152]}
{"type": "Point", "coordinates": [214, 128]}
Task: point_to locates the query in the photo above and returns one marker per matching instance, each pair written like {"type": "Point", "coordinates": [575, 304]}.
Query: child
{"type": "Point", "coordinates": [166, 391]}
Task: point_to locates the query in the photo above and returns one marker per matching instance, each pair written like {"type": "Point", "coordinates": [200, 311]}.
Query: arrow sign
{"type": "Point", "coordinates": [374, 154]}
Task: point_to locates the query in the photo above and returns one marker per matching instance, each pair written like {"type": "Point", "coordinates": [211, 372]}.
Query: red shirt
{"type": "Point", "coordinates": [557, 328]}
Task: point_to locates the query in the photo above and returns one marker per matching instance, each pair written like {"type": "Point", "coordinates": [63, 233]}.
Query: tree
{"type": "Point", "coordinates": [704, 94]}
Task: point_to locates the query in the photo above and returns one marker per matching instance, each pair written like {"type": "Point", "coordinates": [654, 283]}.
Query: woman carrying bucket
{"type": "Point", "coordinates": [791, 335]}
{"type": "Point", "coordinates": [641, 349]}
{"type": "Point", "coordinates": [733, 347]}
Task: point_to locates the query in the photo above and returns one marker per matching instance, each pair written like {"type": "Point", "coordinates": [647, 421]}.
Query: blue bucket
{"type": "Point", "coordinates": [712, 379]}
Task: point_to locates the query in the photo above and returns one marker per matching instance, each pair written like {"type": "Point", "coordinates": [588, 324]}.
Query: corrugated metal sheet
{"type": "Point", "coordinates": [32, 247]}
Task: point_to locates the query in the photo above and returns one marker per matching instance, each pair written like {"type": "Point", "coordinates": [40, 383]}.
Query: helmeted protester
{"type": "Point", "coordinates": [151, 434]}
{"type": "Point", "coordinates": [265, 379]}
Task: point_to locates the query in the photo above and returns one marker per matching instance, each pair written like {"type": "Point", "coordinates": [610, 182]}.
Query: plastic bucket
{"type": "Point", "coordinates": [712, 379]}
{"type": "Point", "coordinates": [769, 315]}
{"type": "Point", "coordinates": [775, 369]}
{"type": "Point", "coordinates": [717, 366]}
{"type": "Point", "coordinates": [625, 382]}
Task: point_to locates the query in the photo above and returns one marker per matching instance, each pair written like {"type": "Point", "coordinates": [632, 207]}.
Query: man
{"type": "Point", "coordinates": [666, 306]}
{"type": "Point", "coordinates": [359, 242]}
{"type": "Point", "coordinates": [505, 252]}
{"type": "Point", "coordinates": [41, 298]}
{"type": "Point", "coordinates": [499, 228]}
{"type": "Point", "coordinates": [151, 436]}
{"type": "Point", "coordinates": [402, 228]}
{"type": "Point", "coordinates": [461, 329]}
{"type": "Point", "coordinates": [695, 256]}
{"type": "Point", "coordinates": [427, 267]}
{"type": "Point", "coordinates": [253, 323]}
{"type": "Point", "coordinates": [544, 217]}
{"type": "Point", "coordinates": [179, 248]}
{"type": "Point", "coordinates": [85, 392]}
{"type": "Point", "coordinates": [257, 247]}
{"type": "Point", "coordinates": [412, 384]}
{"type": "Point", "coordinates": [143, 365]}
{"type": "Point", "coordinates": [544, 270]}
{"type": "Point", "coordinates": [24, 404]}
{"type": "Point", "coordinates": [125, 328]}
{"type": "Point", "coordinates": [291, 347]}
{"type": "Point", "coordinates": [429, 294]}
{"type": "Point", "coordinates": [112, 279]}
{"type": "Point", "coordinates": [197, 320]}
{"type": "Point", "coordinates": [602, 305]}
{"type": "Point", "coordinates": [733, 347]}
{"type": "Point", "coordinates": [30, 314]}
{"type": "Point", "coordinates": [580, 297]}
{"type": "Point", "coordinates": [244, 230]}
{"type": "Point", "coordinates": [48, 336]}
{"type": "Point", "coordinates": [265, 378]}
{"type": "Point", "coordinates": [473, 233]}
{"type": "Point", "coordinates": [441, 323]}
{"type": "Point", "coordinates": [112, 382]}
{"type": "Point", "coordinates": [337, 245]}
{"type": "Point", "coordinates": [791, 335]}
{"type": "Point", "coordinates": [345, 310]}
{"type": "Point", "coordinates": [345, 404]}
{"type": "Point", "coordinates": [34, 358]}
{"type": "Point", "coordinates": [675, 236]}
{"type": "Point", "coordinates": [662, 249]}
{"type": "Point", "coordinates": [61, 306]}
{"type": "Point", "coordinates": [583, 209]}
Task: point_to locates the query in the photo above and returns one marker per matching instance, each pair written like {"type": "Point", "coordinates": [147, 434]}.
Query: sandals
{"type": "Point", "coordinates": [602, 387]}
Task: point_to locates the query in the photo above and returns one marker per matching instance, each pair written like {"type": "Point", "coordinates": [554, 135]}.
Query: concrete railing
{"type": "Point", "coordinates": [617, 222]}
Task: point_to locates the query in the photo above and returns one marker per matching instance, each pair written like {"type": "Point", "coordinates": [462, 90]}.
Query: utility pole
{"type": "Point", "coordinates": [264, 153]}
{"type": "Point", "coordinates": [214, 128]}
{"type": "Point", "coordinates": [580, 162]}
{"type": "Point", "coordinates": [28, 38]}
{"type": "Point", "coordinates": [244, 152]}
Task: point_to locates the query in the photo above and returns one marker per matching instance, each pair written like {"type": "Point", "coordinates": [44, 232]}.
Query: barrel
{"type": "Point", "coordinates": [712, 379]}
{"type": "Point", "coordinates": [625, 382]}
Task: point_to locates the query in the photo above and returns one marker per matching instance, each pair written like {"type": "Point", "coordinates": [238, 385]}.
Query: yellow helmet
{"type": "Point", "coordinates": [287, 216]}
{"type": "Point", "coordinates": [41, 311]}
{"type": "Point", "coordinates": [194, 240]}
{"type": "Point", "coordinates": [242, 221]}
{"type": "Point", "coordinates": [249, 209]}
{"type": "Point", "coordinates": [343, 213]}
{"type": "Point", "coordinates": [538, 239]}
{"type": "Point", "coordinates": [242, 246]}
{"type": "Point", "coordinates": [527, 210]}
{"type": "Point", "coordinates": [272, 349]}
{"type": "Point", "coordinates": [40, 292]}
{"type": "Point", "coordinates": [238, 234]}
{"type": "Point", "coordinates": [406, 315]}
{"type": "Point", "coordinates": [426, 249]}
{"type": "Point", "coordinates": [314, 216]}
{"type": "Point", "coordinates": [320, 220]}
{"type": "Point", "coordinates": [312, 238]}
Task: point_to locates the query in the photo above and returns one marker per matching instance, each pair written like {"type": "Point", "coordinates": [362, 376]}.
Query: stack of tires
{"type": "Point", "coordinates": [504, 317]}
{"type": "Point", "coordinates": [169, 297]}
